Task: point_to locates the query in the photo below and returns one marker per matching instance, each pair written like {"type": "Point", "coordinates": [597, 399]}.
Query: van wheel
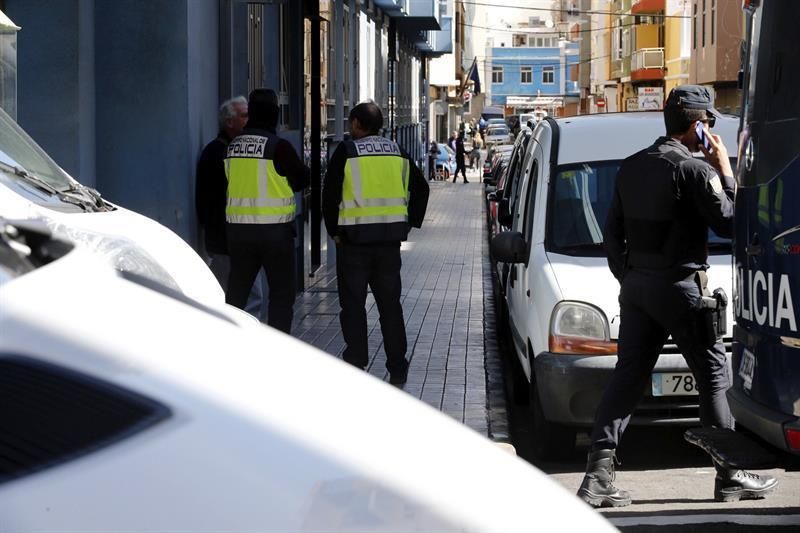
{"type": "Point", "coordinates": [550, 440]}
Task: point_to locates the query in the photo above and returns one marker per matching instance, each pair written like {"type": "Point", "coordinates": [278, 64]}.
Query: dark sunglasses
{"type": "Point", "coordinates": [711, 120]}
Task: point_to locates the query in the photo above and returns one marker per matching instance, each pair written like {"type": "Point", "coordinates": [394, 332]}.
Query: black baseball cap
{"type": "Point", "coordinates": [692, 97]}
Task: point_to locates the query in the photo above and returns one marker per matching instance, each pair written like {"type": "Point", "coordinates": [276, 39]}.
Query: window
{"type": "Point", "coordinates": [526, 75]}
{"type": "Point", "coordinates": [713, 19]}
{"type": "Point", "coordinates": [694, 28]}
{"type": "Point", "coordinates": [703, 40]}
{"type": "Point", "coordinates": [548, 75]}
{"type": "Point", "coordinates": [530, 204]}
{"type": "Point", "coordinates": [255, 47]}
{"type": "Point", "coordinates": [497, 74]}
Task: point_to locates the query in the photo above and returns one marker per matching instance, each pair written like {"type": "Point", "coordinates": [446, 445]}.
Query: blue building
{"type": "Point", "coordinates": [526, 77]}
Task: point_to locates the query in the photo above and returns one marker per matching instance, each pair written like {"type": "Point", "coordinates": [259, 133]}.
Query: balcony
{"type": "Point", "coordinates": [439, 42]}
{"type": "Point", "coordinates": [647, 64]}
{"type": "Point", "coordinates": [392, 7]}
{"type": "Point", "coordinates": [572, 88]}
{"type": "Point", "coordinates": [645, 7]}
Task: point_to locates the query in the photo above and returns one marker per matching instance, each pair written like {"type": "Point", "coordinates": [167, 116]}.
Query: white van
{"type": "Point", "coordinates": [533, 118]}
{"type": "Point", "coordinates": [34, 187]}
{"type": "Point", "coordinates": [562, 300]}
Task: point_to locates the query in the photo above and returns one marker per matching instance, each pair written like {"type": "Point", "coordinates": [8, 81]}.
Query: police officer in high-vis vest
{"type": "Point", "coordinates": [373, 194]}
{"type": "Point", "coordinates": [263, 174]}
{"type": "Point", "coordinates": [656, 240]}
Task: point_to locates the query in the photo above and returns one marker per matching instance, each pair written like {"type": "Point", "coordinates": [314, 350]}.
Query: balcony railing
{"type": "Point", "coordinates": [647, 58]}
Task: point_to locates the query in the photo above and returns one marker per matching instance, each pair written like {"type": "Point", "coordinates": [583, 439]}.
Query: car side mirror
{"type": "Point", "coordinates": [491, 197]}
{"type": "Point", "coordinates": [509, 247]}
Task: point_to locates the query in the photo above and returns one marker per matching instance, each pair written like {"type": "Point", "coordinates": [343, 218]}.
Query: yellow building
{"type": "Point", "coordinates": [677, 52]}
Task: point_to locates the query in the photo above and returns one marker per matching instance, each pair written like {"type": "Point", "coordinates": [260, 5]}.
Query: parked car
{"type": "Point", "coordinates": [561, 297]}
{"type": "Point", "coordinates": [500, 155]}
{"type": "Point", "coordinates": [34, 187]}
{"type": "Point", "coordinates": [497, 134]}
{"type": "Point", "coordinates": [445, 161]}
{"type": "Point", "coordinates": [127, 407]}
{"type": "Point", "coordinates": [499, 219]}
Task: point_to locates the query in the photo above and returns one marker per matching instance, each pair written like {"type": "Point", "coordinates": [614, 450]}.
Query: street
{"type": "Point", "coordinates": [671, 481]}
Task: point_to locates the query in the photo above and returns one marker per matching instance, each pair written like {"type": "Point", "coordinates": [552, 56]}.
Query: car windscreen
{"type": "Point", "coordinates": [498, 131]}
{"type": "Point", "coordinates": [579, 199]}
{"type": "Point", "coordinates": [17, 149]}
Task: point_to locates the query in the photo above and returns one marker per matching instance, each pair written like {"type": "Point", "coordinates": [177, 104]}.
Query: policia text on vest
{"type": "Point", "coordinates": [263, 174]}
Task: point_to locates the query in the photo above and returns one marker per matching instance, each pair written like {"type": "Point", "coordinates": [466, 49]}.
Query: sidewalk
{"type": "Point", "coordinates": [455, 363]}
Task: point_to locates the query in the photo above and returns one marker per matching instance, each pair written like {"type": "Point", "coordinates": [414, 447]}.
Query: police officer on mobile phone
{"type": "Point", "coordinates": [656, 240]}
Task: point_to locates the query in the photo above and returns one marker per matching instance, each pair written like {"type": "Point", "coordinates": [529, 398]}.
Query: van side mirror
{"type": "Point", "coordinates": [509, 247]}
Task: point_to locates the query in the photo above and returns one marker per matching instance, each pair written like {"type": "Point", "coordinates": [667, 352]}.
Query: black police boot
{"type": "Point", "coordinates": [732, 485]}
{"type": "Point", "coordinates": [598, 489]}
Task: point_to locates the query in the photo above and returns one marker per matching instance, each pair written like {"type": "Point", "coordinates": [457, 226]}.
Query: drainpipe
{"type": "Point", "coordinates": [338, 32]}
{"type": "Point", "coordinates": [392, 58]}
{"type": "Point", "coordinates": [316, 133]}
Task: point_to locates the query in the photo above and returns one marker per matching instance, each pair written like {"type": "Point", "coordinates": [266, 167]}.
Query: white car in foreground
{"type": "Point", "coordinates": [127, 407]}
{"type": "Point", "coordinates": [34, 187]}
{"type": "Point", "coordinates": [562, 301]}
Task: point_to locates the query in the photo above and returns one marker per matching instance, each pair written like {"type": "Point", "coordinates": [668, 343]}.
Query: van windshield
{"type": "Point", "coordinates": [17, 149]}
{"type": "Point", "coordinates": [579, 200]}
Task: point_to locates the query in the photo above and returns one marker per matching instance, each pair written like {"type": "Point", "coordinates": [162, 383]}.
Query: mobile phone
{"type": "Point", "coordinates": [701, 135]}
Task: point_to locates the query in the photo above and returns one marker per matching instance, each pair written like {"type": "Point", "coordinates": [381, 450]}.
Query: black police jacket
{"type": "Point", "coordinates": [211, 189]}
{"type": "Point", "coordinates": [664, 202]}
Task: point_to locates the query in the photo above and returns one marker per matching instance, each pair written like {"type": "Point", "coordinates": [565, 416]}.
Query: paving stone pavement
{"type": "Point", "coordinates": [455, 364]}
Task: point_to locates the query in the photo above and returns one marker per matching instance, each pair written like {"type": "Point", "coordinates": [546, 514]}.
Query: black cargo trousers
{"type": "Point", "coordinates": [652, 307]}
{"type": "Point", "coordinates": [271, 247]}
{"type": "Point", "coordinates": [377, 266]}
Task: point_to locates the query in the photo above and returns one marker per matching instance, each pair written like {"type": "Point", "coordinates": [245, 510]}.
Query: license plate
{"type": "Point", "coordinates": [674, 384]}
{"type": "Point", "coordinates": [747, 367]}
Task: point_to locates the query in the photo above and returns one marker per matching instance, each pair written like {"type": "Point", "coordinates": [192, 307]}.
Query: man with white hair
{"type": "Point", "coordinates": [211, 196]}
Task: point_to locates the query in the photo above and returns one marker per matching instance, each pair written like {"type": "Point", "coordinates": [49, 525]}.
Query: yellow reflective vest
{"type": "Point", "coordinates": [257, 193]}
{"type": "Point", "coordinates": [375, 190]}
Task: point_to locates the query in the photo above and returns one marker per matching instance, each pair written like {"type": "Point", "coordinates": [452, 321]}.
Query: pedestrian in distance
{"type": "Point", "coordinates": [264, 172]}
{"type": "Point", "coordinates": [433, 152]}
{"type": "Point", "coordinates": [460, 159]}
{"type": "Point", "coordinates": [656, 238]}
{"type": "Point", "coordinates": [475, 153]}
{"type": "Point", "coordinates": [373, 195]}
{"type": "Point", "coordinates": [211, 197]}
{"type": "Point", "coordinates": [451, 142]}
